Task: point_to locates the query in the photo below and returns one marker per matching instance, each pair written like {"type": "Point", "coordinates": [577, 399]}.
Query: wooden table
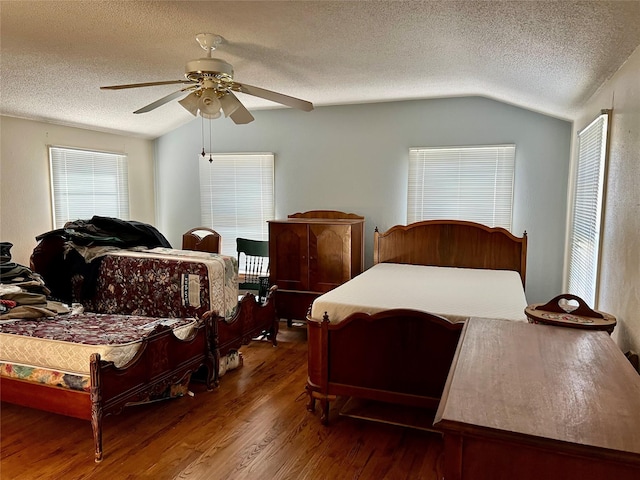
{"type": "Point", "coordinates": [533, 402]}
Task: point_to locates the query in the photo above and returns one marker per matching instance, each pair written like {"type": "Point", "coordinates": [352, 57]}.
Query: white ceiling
{"type": "Point", "coordinates": [546, 56]}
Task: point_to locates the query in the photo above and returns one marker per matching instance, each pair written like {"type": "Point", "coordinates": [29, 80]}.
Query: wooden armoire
{"type": "Point", "coordinates": [310, 253]}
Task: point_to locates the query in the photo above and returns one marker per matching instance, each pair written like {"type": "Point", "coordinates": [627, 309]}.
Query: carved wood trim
{"type": "Point", "coordinates": [331, 214]}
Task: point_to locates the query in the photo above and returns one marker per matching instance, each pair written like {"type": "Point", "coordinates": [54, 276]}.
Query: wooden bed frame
{"type": "Point", "coordinates": [404, 356]}
{"type": "Point", "coordinates": [162, 360]}
{"type": "Point", "coordinates": [251, 320]}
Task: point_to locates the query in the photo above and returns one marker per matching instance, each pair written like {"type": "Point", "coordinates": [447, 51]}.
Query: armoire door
{"type": "Point", "coordinates": [289, 256]}
{"type": "Point", "coordinates": [329, 256]}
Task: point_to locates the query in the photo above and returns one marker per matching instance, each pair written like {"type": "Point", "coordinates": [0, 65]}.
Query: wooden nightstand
{"type": "Point", "coordinates": [552, 313]}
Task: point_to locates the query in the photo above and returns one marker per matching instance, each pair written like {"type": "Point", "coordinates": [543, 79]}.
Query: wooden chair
{"type": "Point", "coordinates": [254, 264]}
{"type": "Point", "coordinates": [202, 239]}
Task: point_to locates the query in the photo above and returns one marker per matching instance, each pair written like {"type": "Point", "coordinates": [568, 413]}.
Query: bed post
{"type": "Point", "coordinates": [318, 381]}
{"type": "Point", "coordinates": [96, 405]}
{"type": "Point", "coordinates": [523, 262]}
{"type": "Point", "coordinates": [324, 372]}
{"type": "Point", "coordinates": [212, 357]}
{"type": "Point", "coordinates": [376, 234]}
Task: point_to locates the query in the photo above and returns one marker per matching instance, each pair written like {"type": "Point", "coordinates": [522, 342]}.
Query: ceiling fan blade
{"type": "Point", "coordinates": [147, 84]}
{"type": "Point", "coordinates": [161, 101]}
{"type": "Point", "coordinates": [241, 115]}
{"type": "Point", "coordinates": [273, 96]}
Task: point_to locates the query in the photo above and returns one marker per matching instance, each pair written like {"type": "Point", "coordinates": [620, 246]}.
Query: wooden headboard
{"type": "Point", "coordinates": [452, 243]}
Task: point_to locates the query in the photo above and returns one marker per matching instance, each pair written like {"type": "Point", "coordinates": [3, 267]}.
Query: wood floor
{"type": "Point", "coordinates": [254, 426]}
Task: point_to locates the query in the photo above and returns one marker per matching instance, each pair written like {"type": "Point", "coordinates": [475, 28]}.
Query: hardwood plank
{"type": "Point", "coordinates": [254, 426]}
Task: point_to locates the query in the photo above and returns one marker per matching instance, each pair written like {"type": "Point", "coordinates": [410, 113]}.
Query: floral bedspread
{"type": "Point", "coordinates": [164, 282]}
{"type": "Point", "coordinates": [65, 343]}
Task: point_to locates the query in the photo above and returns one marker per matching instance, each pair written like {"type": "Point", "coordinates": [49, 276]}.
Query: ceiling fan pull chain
{"type": "Point", "coordinates": [210, 147]}
{"type": "Point", "coordinates": [202, 131]}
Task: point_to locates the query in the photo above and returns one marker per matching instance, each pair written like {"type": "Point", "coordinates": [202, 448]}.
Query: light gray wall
{"type": "Point", "coordinates": [354, 158]}
{"type": "Point", "coordinates": [619, 286]}
{"type": "Point", "coordinates": [25, 186]}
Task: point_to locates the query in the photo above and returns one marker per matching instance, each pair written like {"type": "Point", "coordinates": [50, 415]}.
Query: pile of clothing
{"type": "Point", "coordinates": [23, 293]}
{"type": "Point", "coordinates": [64, 265]}
{"type": "Point", "coordinates": [69, 258]}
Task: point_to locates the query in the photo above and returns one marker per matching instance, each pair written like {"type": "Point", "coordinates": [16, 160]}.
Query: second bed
{"type": "Point", "coordinates": [390, 333]}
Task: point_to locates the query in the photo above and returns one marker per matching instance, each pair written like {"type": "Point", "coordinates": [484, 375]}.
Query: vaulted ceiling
{"type": "Point", "coordinates": [546, 56]}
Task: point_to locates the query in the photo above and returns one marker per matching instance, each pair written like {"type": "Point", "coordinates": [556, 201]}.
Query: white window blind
{"type": "Point", "coordinates": [86, 183]}
{"type": "Point", "coordinates": [586, 215]}
{"type": "Point", "coordinates": [462, 183]}
{"type": "Point", "coordinates": [237, 197]}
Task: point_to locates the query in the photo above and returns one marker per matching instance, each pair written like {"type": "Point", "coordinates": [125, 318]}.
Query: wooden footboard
{"type": "Point", "coordinates": [398, 356]}
{"type": "Point", "coordinates": [162, 360]}
{"type": "Point", "coordinates": [251, 320]}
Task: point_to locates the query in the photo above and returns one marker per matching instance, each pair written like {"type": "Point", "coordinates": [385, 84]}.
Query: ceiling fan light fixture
{"type": "Point", "coordinates": [229, 103]}
{"type": "Point", "coordinates": [209, 102]}
{"type": "Point", "coordinates": [191, 103]}
{"type": "Point", "coordinates": [210, 116]}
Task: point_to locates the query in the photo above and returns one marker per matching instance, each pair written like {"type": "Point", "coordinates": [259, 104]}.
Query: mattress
{"type": "Point", "coordinates": [65, 343]}
{"type": "Point", "coordinates": [454, 293]}
{"type": "Point", "coordinates": [45, 376]}
{"type": "Point", "coordinates": [164, 282]}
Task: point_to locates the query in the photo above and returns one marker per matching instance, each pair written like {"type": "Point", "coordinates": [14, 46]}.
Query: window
{"type": "Point", "coordinates": [462, 183]}
{"type": "Point", "coordinates": [586, 210]}
{"type": "Point", "coordinates": [86, 183]}
{"type": "Point", "coordinates": [236, 196]}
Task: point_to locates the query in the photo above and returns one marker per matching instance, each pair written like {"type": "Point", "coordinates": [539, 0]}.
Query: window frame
{"type": "Point", "coordinates": [93, 165]}
{"type": "Point", "coordinates": [573, 256]}
{"type": "Point", "coordinates": [260, 229]}
{"type": "Point", "coordinates": [496, 214]}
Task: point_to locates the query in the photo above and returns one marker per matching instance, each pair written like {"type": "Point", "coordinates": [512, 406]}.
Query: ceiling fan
{"type": "Point", "coordinates": [210, 84]}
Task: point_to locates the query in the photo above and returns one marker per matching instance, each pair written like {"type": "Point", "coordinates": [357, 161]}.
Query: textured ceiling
{"type": "Point", "coordinates": [546, 56]}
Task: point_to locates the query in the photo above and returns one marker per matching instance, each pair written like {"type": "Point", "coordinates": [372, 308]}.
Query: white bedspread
{"type": "Point", "coordinates": [453, 293]}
